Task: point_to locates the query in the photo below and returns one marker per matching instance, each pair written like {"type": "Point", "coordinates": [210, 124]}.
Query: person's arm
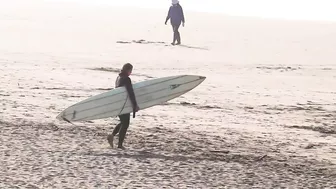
{"type": "Point", "coordinates": [168, 15]}
{"type": "Point", "coordinates": [130, 91]}
{"type": "Point", "coordinates": [182, 15]}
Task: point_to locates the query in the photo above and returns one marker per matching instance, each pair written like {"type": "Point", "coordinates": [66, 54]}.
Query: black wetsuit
{"type": "Point", "coordinates": [121, 128]}
{"type": "Point", "coordinates": [176, 16]}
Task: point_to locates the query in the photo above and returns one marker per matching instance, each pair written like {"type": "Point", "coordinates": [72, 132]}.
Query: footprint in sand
{"type": "Point", "coordinates": [142, 41]}
{"type": "Point", "coordinates": [278, 68]}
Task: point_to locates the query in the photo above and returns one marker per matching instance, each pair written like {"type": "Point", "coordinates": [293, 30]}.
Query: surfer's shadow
{"type": "Point", "coordinates": [144, 155]}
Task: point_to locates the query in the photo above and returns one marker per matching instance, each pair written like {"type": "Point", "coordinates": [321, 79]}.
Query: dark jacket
{"type": "Point", "coordinates": [175, 14]}
{"type": "Point", "coordinates": [124, 80]}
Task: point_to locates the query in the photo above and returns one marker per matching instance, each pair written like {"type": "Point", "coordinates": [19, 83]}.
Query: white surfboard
{"type": "Point", "coordinates": [116, 101]}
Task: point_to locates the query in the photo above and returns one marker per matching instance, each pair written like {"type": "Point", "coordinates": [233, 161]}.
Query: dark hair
{"type": "Point", "coordinates": [127, 67]}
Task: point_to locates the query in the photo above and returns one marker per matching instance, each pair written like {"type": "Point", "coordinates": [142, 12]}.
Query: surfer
{"type": "Point", "coordinates": [124, 80]}
{"type": "Point", "coordinates": [176, 16]}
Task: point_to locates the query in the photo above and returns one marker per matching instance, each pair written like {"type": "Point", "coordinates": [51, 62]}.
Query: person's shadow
{"type": "Point", "coordinates": [143, 41]}
{"type": "Point", "coordinates": [193, 47]}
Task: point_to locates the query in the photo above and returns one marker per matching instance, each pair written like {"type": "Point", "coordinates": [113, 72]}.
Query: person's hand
{"type": "Point", "coordinates": [165, 23]}
{"type": "Point", "coordinates": [136, 109]}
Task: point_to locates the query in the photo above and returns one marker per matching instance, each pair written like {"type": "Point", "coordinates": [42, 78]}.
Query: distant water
{"type": "Point", "coordinates": [283, 9]}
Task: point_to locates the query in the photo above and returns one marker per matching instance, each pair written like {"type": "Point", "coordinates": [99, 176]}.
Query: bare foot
{"type": "Point", "coordinates": [110, 140]}
{"type": "Point", "coordinates": [121, 147]}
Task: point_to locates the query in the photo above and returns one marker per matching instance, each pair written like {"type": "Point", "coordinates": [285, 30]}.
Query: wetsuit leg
{"type": "Point", "coordinates": [116, 129]}
{"type": "Point", "coordinates": [125, 121]}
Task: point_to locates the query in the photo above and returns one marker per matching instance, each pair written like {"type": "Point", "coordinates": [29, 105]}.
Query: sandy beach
{"type": "Point", "coordinates": [265, 117]}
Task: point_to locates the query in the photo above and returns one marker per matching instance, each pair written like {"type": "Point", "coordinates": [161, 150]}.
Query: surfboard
{"type": "Point", "coordinates": [116, 101]}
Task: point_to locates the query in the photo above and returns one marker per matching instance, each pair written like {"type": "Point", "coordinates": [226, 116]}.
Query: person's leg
{"type": "Point", "coordinates": [178, 37]}
{"type": "Point", "coordinates": [116, 130]}
{"type": "Point", "coordinates": [125, 121]}
{"type": "Point", "coordinates": [174, 34]}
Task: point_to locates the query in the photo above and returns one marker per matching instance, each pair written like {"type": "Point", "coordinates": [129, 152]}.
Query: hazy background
{"type": "Point", "coordinates": [286, 9]}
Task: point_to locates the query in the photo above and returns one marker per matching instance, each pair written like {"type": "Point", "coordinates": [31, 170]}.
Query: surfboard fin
{"type": "Point", "coordinates": [65, 119]}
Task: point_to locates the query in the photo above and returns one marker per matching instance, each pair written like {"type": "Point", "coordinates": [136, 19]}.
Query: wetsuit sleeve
{"type": "Point", "coordinates": [168, 15]}
{"type": "Point", "coordinates": [130, 91]}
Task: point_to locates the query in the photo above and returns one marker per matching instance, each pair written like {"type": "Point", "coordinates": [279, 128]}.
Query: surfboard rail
{"type": "Point", "coordinates": [116, 101]}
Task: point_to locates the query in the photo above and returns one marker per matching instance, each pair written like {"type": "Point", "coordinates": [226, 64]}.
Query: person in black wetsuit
{"type": "Point", "coordinates": [123, 80]}
{"type": "Point", "coordinates": [176, 16]}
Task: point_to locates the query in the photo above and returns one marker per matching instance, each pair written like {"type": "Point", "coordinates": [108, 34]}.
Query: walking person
{"type": "Point", "coordinates": [176, 16]}
{"type": "Point", "coordinates": [123, 80]}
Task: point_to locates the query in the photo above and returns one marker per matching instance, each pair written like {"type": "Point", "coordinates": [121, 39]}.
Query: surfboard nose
{"type": "Point", "coordinates": [197, 77]}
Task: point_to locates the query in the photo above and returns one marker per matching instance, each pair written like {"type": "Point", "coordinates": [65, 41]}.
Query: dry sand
{"type": "Point", "coordinates": [264, 118]}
